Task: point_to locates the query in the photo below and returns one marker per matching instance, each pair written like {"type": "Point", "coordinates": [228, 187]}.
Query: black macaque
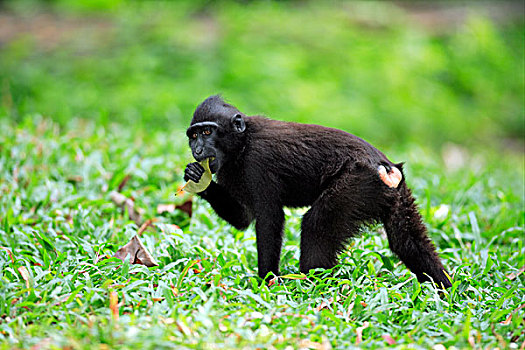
{"type": "Point", "coordinates": [262, 165]}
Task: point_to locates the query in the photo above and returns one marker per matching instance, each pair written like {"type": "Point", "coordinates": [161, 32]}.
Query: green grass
{"type": "Point", "coordinates": [55, 227]}
{"type": "Point", "coordinates": [117, 105]}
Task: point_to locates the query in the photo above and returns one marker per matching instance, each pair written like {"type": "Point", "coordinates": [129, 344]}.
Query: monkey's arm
{"type": "Point", "coordinates": [225, 206]}
{"type": "Point", "coordinates": [220, 199]}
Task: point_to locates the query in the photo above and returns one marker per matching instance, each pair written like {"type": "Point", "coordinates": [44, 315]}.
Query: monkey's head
{"type": "Point", "coordinates": [217, 131]}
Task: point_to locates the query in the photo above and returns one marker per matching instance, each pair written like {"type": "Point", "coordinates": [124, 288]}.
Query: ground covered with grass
{"type": "Point", "coordinates": [105, 109]}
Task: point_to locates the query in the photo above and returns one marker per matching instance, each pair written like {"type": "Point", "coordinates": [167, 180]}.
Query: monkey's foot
{"type": "Point", "coordinates": [391, 179]}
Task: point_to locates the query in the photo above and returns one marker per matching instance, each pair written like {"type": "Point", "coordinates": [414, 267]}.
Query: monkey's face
{"type": "Point", "coordinates": [203, 139]}
{"type": "Point", "coordinates": [217, 131]}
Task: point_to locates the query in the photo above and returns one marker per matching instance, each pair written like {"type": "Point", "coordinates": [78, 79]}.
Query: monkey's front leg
{"type": "Point", "coordinates": [269, 224]}
{"type": "Point", "coordinates": [221, 201]}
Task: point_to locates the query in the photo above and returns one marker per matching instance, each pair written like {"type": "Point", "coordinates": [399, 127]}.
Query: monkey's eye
{"type": "Point", "coordinates": [207, 132]}
{"type": "Point", "coordinates": [194, 135]}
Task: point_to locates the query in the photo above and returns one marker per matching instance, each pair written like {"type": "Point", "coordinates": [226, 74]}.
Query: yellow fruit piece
{"type": "Point", "coordinates": [204, 182]}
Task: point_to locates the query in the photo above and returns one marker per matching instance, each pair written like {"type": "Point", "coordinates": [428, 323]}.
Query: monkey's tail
{"type": "Point", "coordinates": [408, 238]}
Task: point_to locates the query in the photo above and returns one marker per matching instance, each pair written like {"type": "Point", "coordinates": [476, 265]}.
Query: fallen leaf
{"type": "Point", "coordinates": [137, 252]}
{"type": "Point", "coordinates": [183, 328]}
{"type": "Point", "coordinates": [359, 332]}
{"type": "Point", "coordinates": [42, 344]}
{"type": "Point", "coordinates": [323, 305]}
{"type": "Point", "coordinates": [272, 281]}
{"type": "Point", "coordinates": [124, 202]}
{"type": "Point", "coordinates": [113, 304]}
{"type": "Point", "coordinates": [389, 339]}
{"type": "Point", "coordinates": [75, 178]}
{"type": "Point", "coordinates": [25, 274]}
{"type": "Point", "coordinates": [144, 226]}
{"type": "Point", "coordinates": [308, 344]}
{"type": "Point", "coordinates": [10, 253]}
{"type": "Point", "coordinates": [165, 208]}
{"type": "Point", "coordinates": [123, 183]}
{"type": "Point", "coordinates": [174, 290]}
{"type": "Point", "coordinates": [513, 275]}
{"type": "Point", "coordinates": [500, 339]}
{"type": "Point", "coordinates": [471, 341]}
{"type": "Point", "coordinates": [199, 268]}
{"type": "Point", "coordinates": [168, 321]}
{"type": "Point", "coordinates": [164, 227]}
{"type": "Point", "coordinates": [509, 317]}
{"type": "Point", "coordinates": [507, 320]}
{"type": "Point", "coordinates": [186, 207]}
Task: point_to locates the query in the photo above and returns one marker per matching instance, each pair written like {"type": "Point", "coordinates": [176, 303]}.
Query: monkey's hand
{"type": "Point", "coordinates": [193, 172]}
{"type": "Point", "coordinates": [198, 176]}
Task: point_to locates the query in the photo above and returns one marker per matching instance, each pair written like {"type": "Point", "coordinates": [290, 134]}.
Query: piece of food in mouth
{"type": "Point", "coordinates": [204, 182]}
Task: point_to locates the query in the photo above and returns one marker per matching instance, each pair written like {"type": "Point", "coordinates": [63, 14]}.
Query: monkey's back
{"type": "Point", "coordinates": [286, 152]}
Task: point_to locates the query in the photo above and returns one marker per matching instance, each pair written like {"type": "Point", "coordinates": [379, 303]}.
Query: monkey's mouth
{"type": "Point", "coordinates": [213, 165]}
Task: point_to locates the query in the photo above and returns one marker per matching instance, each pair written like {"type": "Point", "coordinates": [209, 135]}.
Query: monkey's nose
{"type": "Point", "coordinates": [198, 151]}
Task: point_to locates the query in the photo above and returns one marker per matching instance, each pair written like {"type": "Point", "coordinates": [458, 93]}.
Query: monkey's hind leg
{"type": "Point", "coordinates": [322, 239]}
{"type": "Point", "coordinates": [335, 217]}
{"type": "Point", "coordinates": [408, 239]}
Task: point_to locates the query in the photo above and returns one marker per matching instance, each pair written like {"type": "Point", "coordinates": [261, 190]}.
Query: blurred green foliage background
{"type": "Point", "coordinates": [395, 73]}
{"type": "Point", "coordinates": [95, 96]}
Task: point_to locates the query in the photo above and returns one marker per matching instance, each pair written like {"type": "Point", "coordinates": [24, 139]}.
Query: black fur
{"type": "Point", "coordinates": [270, 164]}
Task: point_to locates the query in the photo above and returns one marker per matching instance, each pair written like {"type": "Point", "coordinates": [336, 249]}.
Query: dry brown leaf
{"type": "Point", "coordinates": [123, 183]}
{"type": "Point", "coordinates": [324, 304]}
{"type": "Point", "coordinates": [171, 226]}
{"type": "Point", "coordinates": [513, 275]}
{"type": "Point", "coordinates": [144, 226]}
{"type": "Point", "coordinates": [113, 304]}
{"type": "Point", "coordinates": [507, 320]}
{"type": "Point", "coordinates": [359, 332]}
{"type": "Point", "coordinates": [308, 344]}
{"type": "Point", "coordinates": [174, 290]}
{"type": "Point", "coordinates": [25, 274]}
{"type": "Point", "coordinates": [165, 208]}
{"type": "Point", "coordinates": [43, 344]}
{"type": "Point", "coordinates": [124, 202]}
{"type": "Point", "coordinates": [471, 341]}
{"type": "Point", "coordinates": [10, 253]}
{"type": "Point", "coordinates": [389, 339]}
{"type": "Point", "coordinates": [137, 252]}
{"type": "Point", "coordinates": [183, 328]}
{"type": "Point", "coordinates": [186, 207]}
{"type": "Point", "coordinates": [509, 317]}
{"type": "Point", "coordinates": [75, 178]}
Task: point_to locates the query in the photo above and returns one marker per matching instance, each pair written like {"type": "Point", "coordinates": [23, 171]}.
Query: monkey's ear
{"type": "Point", "coordinates": [238, 123]}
